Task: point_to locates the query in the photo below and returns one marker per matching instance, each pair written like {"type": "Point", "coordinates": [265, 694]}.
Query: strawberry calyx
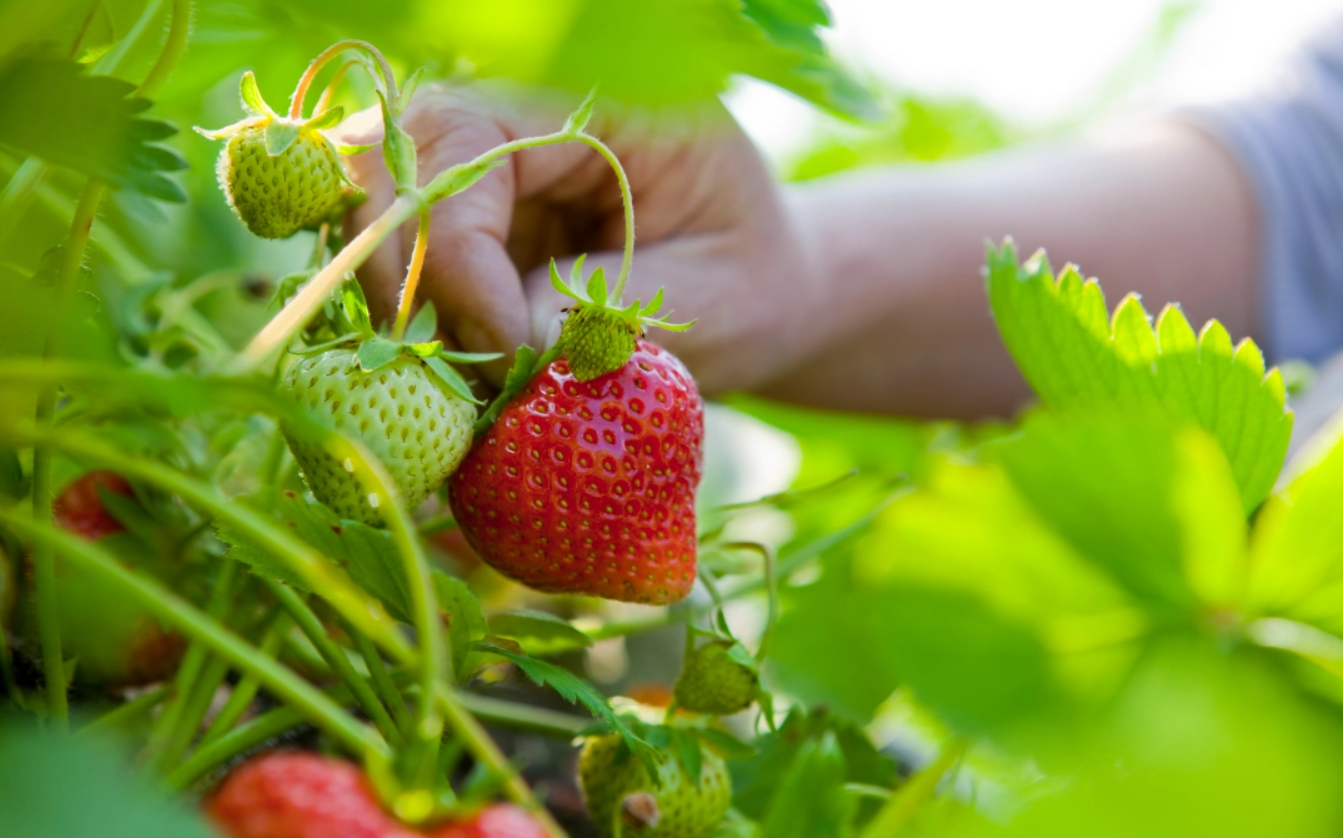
{"type": "Point", "coordinates": [600, 335]}
{"type": "Point", "coordinates": [280, 132]}
{"type": "Point", "coordinates": [376, 349]}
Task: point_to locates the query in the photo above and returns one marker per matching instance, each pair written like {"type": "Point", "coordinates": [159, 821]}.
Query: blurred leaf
{"type": "Point", "coordinates": [367, 554]}
{"type": "Point", "coordinates": [811, 799]}
{"type": "Point", "coordinates": [1155, 507]}
{"type": "Point", "coordinates": [1074, 355]}
{"type": "Point", "coordinates": [13, 483]}
{"type": "Point", "coordinates": [466, 621]}
{"type": "Point", "coordinates": [43, 773]}
{"type": "Point", "coordinates": [88, 123]}
{"type": "Point", "coordinates": [538, 633]}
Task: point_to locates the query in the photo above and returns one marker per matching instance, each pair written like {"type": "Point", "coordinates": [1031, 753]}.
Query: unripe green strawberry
{"type": "Point", "coordinates": [280, 174]}
{"type": "Point", "coordinates": [276, 196]}
{"type": "Point", "coordinates": [711, 681]}
{"type": "Point", "coordinates": [609, 774]}
{"type": "Point", "coordinates": [408, 418]}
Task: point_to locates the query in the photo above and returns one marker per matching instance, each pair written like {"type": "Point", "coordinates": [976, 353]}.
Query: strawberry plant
{"type": "Point", "coordinates": [228, 493]}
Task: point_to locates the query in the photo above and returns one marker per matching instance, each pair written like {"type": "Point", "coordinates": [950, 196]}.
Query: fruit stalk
{"type": "Point", "coordinates": [310, 74]}
{"type": "Point", "coordinates": [246, 689]}
{"type": "Point", "coordinates": [626, 198]}
{"type": "Point", "coordinates": [196, 625]}
{"type": "Point", "coordinates": [412, 282]}
{"type": "Point", "coordinates": [173, 48]}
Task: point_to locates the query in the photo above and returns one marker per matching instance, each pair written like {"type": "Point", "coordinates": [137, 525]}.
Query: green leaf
{"type": "Point", "coordinates": [1154, 506]}
{"type": "Point", "coordinates": [13, 483]}
{"type": "Point", "coordinates": [458, 178]}
{"type": "Point", "coordinates": [367, 554]}
{"type": "Point", "coordinates": [538, 633]}
{"type": "Point", "coordinates": [567, 289]}
{"type": "Point", "coordinates": [811, 799]}
{"type": "Point", "coordinates": [87, 123]}
{"type": "Point", "coordinates": [571, 688]}
{"type": "Point", "coordinates": [466, 621]}
{"type": "Point", "coordinates": [329, 118]}
{"type": "Point", "coordinates": [280, 135]}
{"type": "Point", "coordinates": [685, 745]}
{"type": "Point", "coordinates": [398, 150]}
{"type": "Point", "coordinates": [376, 353]}
{"type": "Point", "coordinates": [597, 287]}
{"type": "Point", "coordinates": [424, 325]}
{"type": "Point", "coordinates": [1075, 356]}
{"type": "Point", "coordinates": [449, 377]}
{"type": "Point", "coordinates": [43, 772]}
{"type": "Point", "coordinates": [408, 88]}
{"type": "Point", "coordinates": [252, 100]}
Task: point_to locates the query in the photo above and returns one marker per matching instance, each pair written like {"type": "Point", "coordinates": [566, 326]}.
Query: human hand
{"type": "Point", "coordinates": [711, 224]}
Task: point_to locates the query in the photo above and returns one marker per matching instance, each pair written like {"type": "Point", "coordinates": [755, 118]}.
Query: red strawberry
{"type": "Point", "coordinates": [499, 820]}
{"type": "Point", "coordinates": [588, 487]}
{"type": "Point", "coordinates": [79, 509]}
{"type": "Point", "coordinates": [297, 795]}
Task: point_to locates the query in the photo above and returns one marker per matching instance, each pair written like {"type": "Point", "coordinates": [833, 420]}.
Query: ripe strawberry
{"type": "Point", "coordinates": [79, 508]}
{"type": "Point", "coordinates": [415, 425]}
{"type": "Point", "coordinates": [718, 678]}
{"type": "Point", "coordinates": [589, 487]}
{"type": "Point", "coordinates": [499, 820]}
{"type": "Point", "coordinates": [298, 795]}
{"type": "Point", "coordinates": [610, 775]}
{"type": "Point", "coordinates": [280, 175]}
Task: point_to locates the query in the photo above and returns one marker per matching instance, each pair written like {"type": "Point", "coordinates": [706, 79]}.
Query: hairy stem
{"type": "Point", "coordinates": [412, 282]}
{"type": "Point", "coordinates": [309, 75]}
{"type": "Point", "coordinates": [627, 198]}
{"type": "Point", "coordinates": [168, 608]}
{"type": "Point", "coordinates": [172, 51]}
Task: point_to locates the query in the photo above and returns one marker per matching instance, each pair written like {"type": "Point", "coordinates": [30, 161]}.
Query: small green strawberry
{"type": "Point", "coordinates": [719, 678]}
{"type": "Point", "coordinates": [280, 175]}
{"type": "Point", "coordinates": [399, 398]}
{"type": "Point", "coordinates": [617, 786]}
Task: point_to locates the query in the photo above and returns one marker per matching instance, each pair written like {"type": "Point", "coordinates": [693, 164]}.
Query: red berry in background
{"type": "Point", "coordinates": [79, 509]}
{"type": "Point", "coordinates": [499, 820]}
{"type": "Point", "coordinates": [299, 795]}
{"type": "Point", "coordinates": [588, 487]}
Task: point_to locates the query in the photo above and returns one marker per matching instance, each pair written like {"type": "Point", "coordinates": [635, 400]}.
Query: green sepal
{"type": "Point", "coordinates": [526, 363]}
{"type": "Point", "coordinates": [281, 134]}
{"type": "Point", "coordinates": [252, 101]}
{"type": "Point", "coordinates": [329, 118]}
{"type": "Point", "coordinates": [229, 130]}
{"type": "Point", "coordinates": [376, 353]}
{"type": "Point", "coordinates": [449, 377]}
{"type": "Point", "coordinates": [355, 307]}
{"type": "Point", "coordinates": [423, 325]}
{"type": "Point", "coordinates": [469, 357]}
{"type": "Point", "coordinates": [408, 88]}
{"type": "Point", "coordinates": [597, 287]}
{"type": "Point", "coordinates": [578, 120]}
{"type": "Point", "coordinates": [344, 176]}
{"type": "Point", "coordinates": [685, 744]}
{"type": "Point", "coordinates": [428, 349]}
{"type": "Point", "coordinates": [351, 149]}
{"type": "Point", "coordinates": [398, 149]}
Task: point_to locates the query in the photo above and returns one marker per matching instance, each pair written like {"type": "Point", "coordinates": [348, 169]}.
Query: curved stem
{"type": "Point", "coordinates": [172, 51]}
{"type": "Point", "coordinates": [627, 198]}
{"type": "Point", "coordinates": [771, 589]}
{"type": "Point", "coordinates": [412, 282]}
{"type": "Point", "coordinates": [329, 92]}
{"type": "Point", "coordinates": [301, 92]}
{"type": "Point", "coordinates": [180, 614]}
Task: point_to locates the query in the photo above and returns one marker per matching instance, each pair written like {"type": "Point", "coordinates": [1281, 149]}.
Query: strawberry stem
{"type": "Point", "coordinates": [172, 51]}
{"type": "Point", "coordinates": [412, 282]}
{"type": "Point", "coordinates": [309, 75]}
{"type": "Point", "coordinates": [627, 199]}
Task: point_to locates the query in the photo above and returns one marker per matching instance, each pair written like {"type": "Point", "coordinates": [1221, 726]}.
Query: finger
{"type": "Point", "coordinates": [382, 273]}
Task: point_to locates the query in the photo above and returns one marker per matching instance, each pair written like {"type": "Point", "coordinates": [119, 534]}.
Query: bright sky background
{"type": "Point", "coordinates": [1035, 60]}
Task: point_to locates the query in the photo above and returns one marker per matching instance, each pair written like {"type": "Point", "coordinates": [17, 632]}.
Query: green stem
{"type": "Point", "coordinates": [523, 716]}
{"type": "Point", "coordinates": [905, 803]}
{"type": "Point", "coordinates": [172, 610]}
{"type": "Point", "coordinates": [627, 198]}
{"type": "Point", "coordinates": [246, 689]}
{"type": "Point", "coordinates": [294, 316]}
{"type": "Point", "coordinates": [309, 75]}
{"type": "Point", "coordinates": [315, 570]}
{"type": "Point", "coordinates": [334, 656]}
{"type": "Point", "coordinates": [172, 51]}
{"type": "Point", "coordinates": [196, 706]}
{"type": "Point", "coordinates": [771, 589]}
{"type": "Point", "coordinates": [412, 282]}
{"type": "Point", "coordinates": [114, 719]}
{"type": "Point", "coordinates": [382, 681]}
{"type": "Point", "coordinates": [209, 756]}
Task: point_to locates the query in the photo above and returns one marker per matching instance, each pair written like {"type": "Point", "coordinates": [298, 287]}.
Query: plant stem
{"type": "Point", "coordinates": [169, 608]}
{"type": "Point", "coordinates": [522, 716]}
{"type": "Point", "coordinates": [281, 329]}
{"type": "Point", "coordinates": [334, 656]}
{"type": "Point", "coordinates": [382, 681]}
{"type": "Point", "coordinates": [316, 571]}
{"type": "Point", "coordinates": [246, 689]}
{"type": "Point", "coordinates": [209, 756]}
{"type": "Point", "coordinates": [194, 710]}
{"type": "Point", "coordinates": [113, 719]}
{"type": "Point", "coordinates": [172, 51]}
{"type": "Point", "coordinates": [309, 75]}
{"type": "Point", "coordinates": [627, 198]}
{"type": "Point", "coordinates": [412, 282]}
{"type": "Point", "coordinates": [906, 802]}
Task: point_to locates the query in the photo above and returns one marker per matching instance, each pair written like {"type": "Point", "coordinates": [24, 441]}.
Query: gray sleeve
{"type": "Point", "coordinates": [1290, 142]}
